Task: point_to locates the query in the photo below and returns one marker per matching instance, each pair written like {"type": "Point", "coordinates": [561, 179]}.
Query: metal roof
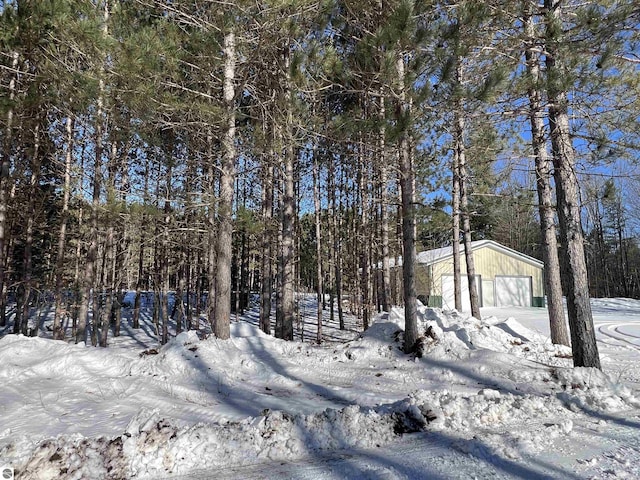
{"type": "Point", "coordinates": [431, 257]}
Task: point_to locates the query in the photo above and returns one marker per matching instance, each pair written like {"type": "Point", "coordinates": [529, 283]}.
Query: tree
{"type": "Point", "coordinates": [225, 202]}
{"type": "Point", "coordinates": [583, 340]}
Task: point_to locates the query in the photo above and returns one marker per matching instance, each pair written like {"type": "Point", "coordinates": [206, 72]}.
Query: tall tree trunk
{"type": "Point", "coordinates": [362, 238]}
{"type": "Point", "coordinates": [284, 325]}
{"type": "Point", "coordinates": [384, 211]}
{"type": "Point", "coordinates": [288, 247]}
{"type": "Point", "coordinates": [198, 292]}
{"type": "Point", "coordinates": [211, 233]}
{"type": "Point", "coordinates": [89, 275]}
{"type": "Point", "coordinates": [583, 339]}
{"type": "Point", "coordinates": [243, 291]}
{"type": "Point", "coordinates": [5, 167]}
{"type": "Point", "coordinates": [332, 241]}
{"type": "Point", "coordinates": [108, 282]}
{"type": "Point", "coordinates": [455, 223]}
{"type": "Point", "coordinates": [460, 155]}
{"type": "Point", "coordinates": [109, 274]}
{"type": "Point", "coordinates": [407, 189]}
{"type": "Point", "coordinates": [225, 204]}
{"type": "Point", "coordinates": [58, 328]}
{"type": "Point", "coordinates": [317, 207]}
{"type": "Point", "coordinates": [23, 308]}
{"type": "Point", "coordinates": [141, 252]}
{"type": "Point", "coordinates": [179, 298]}
{"type": "Point", "coordinates": [123, 249]}
{"type": "Point", "coordinates": [337, 250]}
{"type": "Point", "coordinates": [266, 271]}
{"type": "Point", "coordinates": [552, 280]}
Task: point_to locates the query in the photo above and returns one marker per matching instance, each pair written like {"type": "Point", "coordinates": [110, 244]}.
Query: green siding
{"type": "Point", "coordinates": [435, 301]}
{"type": "Point", "coordinates": [538, 301]}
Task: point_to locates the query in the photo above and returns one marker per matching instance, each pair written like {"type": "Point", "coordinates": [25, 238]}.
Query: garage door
{"type": "Point", "coordinates": [513, 291]}
{"type": "Point", "coordinates": [448, 298]}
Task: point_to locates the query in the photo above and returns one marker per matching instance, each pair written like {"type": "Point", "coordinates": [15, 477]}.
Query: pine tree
{"type": "Point", "coordinates": [553, 287]}
{"type": "Point", "coordinates": [583, 340]}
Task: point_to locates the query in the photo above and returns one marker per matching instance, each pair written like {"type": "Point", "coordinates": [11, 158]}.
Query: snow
{"type": "Point", "coordinates": [490, 398]}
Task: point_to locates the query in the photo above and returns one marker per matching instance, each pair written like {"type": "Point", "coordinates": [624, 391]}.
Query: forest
{"type": "Point", "coordinates": [211, 152]}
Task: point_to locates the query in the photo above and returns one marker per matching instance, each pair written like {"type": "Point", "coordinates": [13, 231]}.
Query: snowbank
{"type": "Point", "coordinates": [500, 388]}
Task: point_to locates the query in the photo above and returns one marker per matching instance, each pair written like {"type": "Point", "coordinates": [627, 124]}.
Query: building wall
{"type": "Point", "coordinates": [488, 263]}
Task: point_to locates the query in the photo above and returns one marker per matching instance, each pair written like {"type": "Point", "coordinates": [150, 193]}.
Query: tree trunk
{"type": "Point", "coordinates": [266, 271]}
{"type": "Point", "coordinates": [464, 213]}
{"type": "Point", "coordinates": [222, 315]}
{"type": "Point", "coordinates": [459, 131]}
{"type": "Point", "coordinates": [284, 323]}
{"type": "Point", "coordinates": [89, 276]}
{"type": "Point", "coordinates": [583, 339]}
{"type": "Point", "coordinates": [455, 222]}
{"type": "Point", "coordinates": [178, 305]}
{"type": "Point", "coordinates": [384, 211]}
{"type": "Point", "coordinates": [164, 257]}
{"type": "Point", "coordinates": [108, 282]}
{"type": "Point", "coordinates": [337, 251]}
{"type": "Point", "coordinates": [141, 252]}
{"type": "Point", "coordinates": [58, 327]}
{"type": "Point", "coordinates": [198, 292]}
{"type": "Point", "coordinates": [211, 233]}
{"type": "Point", "coordinates": [553, 286]}
{"type": "Point", "coordinates": [362, 238]}
{"type": "Point", "coordinates": [317, 207]}
{"type": "Point", "coordinates": [407, 189]}
{"type": "Point", "coordinates": [23, 307]}
{"type": "Point", "coordinates": [288, 247]}
{"type": "Point", "coordinates": [5, 167]}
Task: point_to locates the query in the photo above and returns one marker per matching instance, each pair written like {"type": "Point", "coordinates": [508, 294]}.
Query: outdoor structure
{"type": "Point", "coordinates": [505, 277]}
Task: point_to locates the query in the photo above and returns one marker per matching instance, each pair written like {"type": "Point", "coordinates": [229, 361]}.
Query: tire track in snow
{"type": "Point", "coordinates": [613, 331]}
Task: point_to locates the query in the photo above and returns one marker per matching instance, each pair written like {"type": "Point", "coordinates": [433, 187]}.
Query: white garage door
{"type": "Point", "coordinates": [513, 291]}
{"type": "Point", "coordinates": [448, 297]}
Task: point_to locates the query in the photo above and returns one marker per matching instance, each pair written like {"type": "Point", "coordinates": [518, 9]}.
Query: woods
{"type": "Point", "coordinates": [207, 154]}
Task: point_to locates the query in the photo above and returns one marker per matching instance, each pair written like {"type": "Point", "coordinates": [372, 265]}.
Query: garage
{"type": "Point", "coordinates": [513, 291]}
{"type": "Point", "coordinates": [448, 298]}
{"type": "Point", "coordinates": [505, 276]}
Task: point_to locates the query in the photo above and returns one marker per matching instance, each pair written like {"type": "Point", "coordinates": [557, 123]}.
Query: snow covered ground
{"type": "Point", "coordinates": [488, 399]}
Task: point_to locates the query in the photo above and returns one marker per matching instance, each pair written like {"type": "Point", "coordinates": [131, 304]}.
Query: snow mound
{"type": "Point", "coordinates": [152, 446]}
{"type": "Point", "coordinates": [591, 390]}
{"type": "Point", "coordinates": [455, 335]}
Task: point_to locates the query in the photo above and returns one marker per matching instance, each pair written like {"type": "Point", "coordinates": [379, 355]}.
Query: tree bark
{"type": "Point", "coordinates": [23, 307]}
{"type": "Point", "coordinates": [337, 250]}
{"type": "Point", "coordinates": [5, 167]}
{"type": "Point", "coordinates": [317, 207]}
{"type": "Point", "coordinates": [266, 270]}
{"type": "Point", "coordinates": [288, 247]}
{"type": "Point", "coordinates": [455, 223]}
{"type": "Point", "coordinates": [552, 280]}
{"type": "Point", "coordinates": [583, 339]}
{"type": "Point", "coordinates": [384, 211]}
{"type": "Point", "coordinates": [407, 188]}
{"type": "Point", "coordinates": [141, 252]}
{"type": "Point", "coordinates": [362, 237]}
{"type": "Point", "coordinates": [461, 157]}
{"type": "Point", "coordinates": [58, 327]}
{"type": "Point", "coordinates": [466, 218]}
{"type": "Point", "coordinates": [221, 327]}
{"type": "Point", "coordinates": [89, 276]}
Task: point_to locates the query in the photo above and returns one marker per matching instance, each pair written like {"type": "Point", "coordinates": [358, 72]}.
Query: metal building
{"type": "Point", "coordinates": [505, 277]}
